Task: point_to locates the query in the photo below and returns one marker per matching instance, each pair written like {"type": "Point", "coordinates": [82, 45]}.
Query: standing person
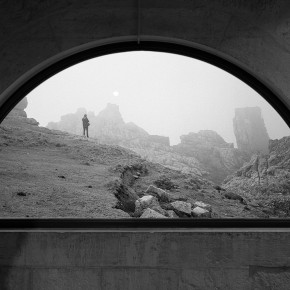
{"type": "Point", "coordinates": [86, 124]}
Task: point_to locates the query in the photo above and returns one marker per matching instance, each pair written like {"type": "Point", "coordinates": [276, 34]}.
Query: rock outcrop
{"type": "Point", "coordinates": [265, 175]}
{"type": "Point", "coordinates": [217, 157]}
{"type": "Point", "coordinates": [181, 208]}
{"type": "Point", "coordinates": [204, 154]}
{"type": "Point", "coordinates": [71, 123]}
{"type": "Point", "coordinates": [18, 115]}
{"type": "Point", "coordinates": [109, 128]}
{"type": "Point", "coordinates": [250, 131]}
{"type": "Point", "coordinates": [18, 110]}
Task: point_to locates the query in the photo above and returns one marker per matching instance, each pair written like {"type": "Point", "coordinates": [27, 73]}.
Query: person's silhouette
{"type": "Point", "coordinates": [86, 124]}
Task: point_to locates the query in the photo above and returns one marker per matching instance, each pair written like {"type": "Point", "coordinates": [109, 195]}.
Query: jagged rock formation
{"type": "Point", "coordinates": [265, 175]}
{"type": "Point", "coordinates": [100, 181]}
{"type": "Point", "coordinates": [18, 110]}
{"type": "Point", "coordinates": [109, 128]}
{"type": "Point", "coordinates": [18, 114]}
{"type": "Point", "coordinates": [204, 154]}
{"type": "Point", "coordinates": [250, 131]}
{"type": "Point", "coordinates": [217, 157]}
{"type": "Point", "coordinates": [71, 123]}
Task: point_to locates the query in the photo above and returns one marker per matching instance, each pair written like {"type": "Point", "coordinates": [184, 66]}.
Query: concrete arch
{"type": "Point", "coordinates": [252, 34]}
{"type": "Point", "coordinates": [35, 76]}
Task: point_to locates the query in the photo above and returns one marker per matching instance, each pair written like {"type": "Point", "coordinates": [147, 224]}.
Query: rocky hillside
{"type": "Point", "coordinates": [265, 179]}
{"type": "Point", "coordinates": [49, 173]}
{"type": "Point", "coordinates": [204, 154]}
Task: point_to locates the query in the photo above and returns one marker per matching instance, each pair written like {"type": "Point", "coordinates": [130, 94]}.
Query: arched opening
{"type": "Point", "coordinates": [158, 47]}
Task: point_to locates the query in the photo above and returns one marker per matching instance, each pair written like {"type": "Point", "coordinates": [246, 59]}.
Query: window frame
{"type": "Point", "coordinates": [51, 67]}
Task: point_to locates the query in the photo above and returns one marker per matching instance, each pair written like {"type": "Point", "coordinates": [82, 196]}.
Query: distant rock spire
{"type": "Point", "coordinates": [250, 130]}
{"type": "Point", "coordinates": [111, 114]}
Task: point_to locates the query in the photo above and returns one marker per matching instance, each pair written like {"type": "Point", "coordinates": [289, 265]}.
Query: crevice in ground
{"type": "Point", "coordinates": [123, 189]}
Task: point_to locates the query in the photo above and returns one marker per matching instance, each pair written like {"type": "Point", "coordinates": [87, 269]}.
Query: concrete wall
{"type": "Point", "coordinates": [144, 260]}
{"type": "Point", "coordinates": [256, 33]}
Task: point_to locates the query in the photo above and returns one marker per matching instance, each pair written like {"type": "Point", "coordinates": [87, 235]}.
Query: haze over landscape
{"type": "Point", "coordinates": [165, 94]}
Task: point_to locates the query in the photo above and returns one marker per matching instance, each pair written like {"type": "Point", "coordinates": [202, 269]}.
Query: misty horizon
{"type": "Point", "coordinates": [83, 110]}
{"type": "Point", "coordinates": [165, 94]}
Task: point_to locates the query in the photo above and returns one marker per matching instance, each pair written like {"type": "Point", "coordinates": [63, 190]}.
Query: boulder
{"type": "Point", "coordinates": [147, 201]}
{"type": "Point", "coordinates": [161, 194]}
{"type": "Point", "coordinates": [144, 201]}
{"type": "Point", "coordinates": [200, 212]}
{"type": "Point", "coordinates": [203, 205]}
{"type": "Point", "coordinates": [152, 214]}
{"type": "Point", "coordinates": [181, 208]}
{"type": "Point", "coordinates": [172, 214]}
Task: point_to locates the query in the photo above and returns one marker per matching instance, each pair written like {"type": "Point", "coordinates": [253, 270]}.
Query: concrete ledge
{"type": "Point", "coordinates": [144, 260]}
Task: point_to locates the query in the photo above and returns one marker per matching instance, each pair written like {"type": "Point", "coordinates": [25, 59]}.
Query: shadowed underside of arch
{"type": "Point", "coordinates": [53, 65]}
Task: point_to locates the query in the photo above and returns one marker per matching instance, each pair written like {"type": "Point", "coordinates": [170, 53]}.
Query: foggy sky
{"type": "Point", "coordinates": [165, 94]}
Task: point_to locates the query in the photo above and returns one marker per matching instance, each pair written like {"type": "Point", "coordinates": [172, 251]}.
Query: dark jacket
{"type": "Point", "coordinates": [86, 122]}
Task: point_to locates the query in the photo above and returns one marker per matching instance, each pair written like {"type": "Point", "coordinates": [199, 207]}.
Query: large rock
{"type": "Point", "coordinates": [172, 214]}
{"type": "Point", "coordinates": [201, 212]}
{"type": "Point", "coordinates": [144, 201]}
{"type": "Point", "coordinates": [109, 128]}
{"type": "Point", "coordinates": [203, 205]}
{"type": "Point", "coordinates": [18, 110]}
{"type": "Point", "coordinates": [205, 138]}
{"type": "Point", "coordinates": [147, 201]}
{"type": "Point", "coordinates": [71, 123]}
{"type": "Point", "coordinates": [181, 208]}
{"type": "Point", "coordinates": [18, 116]}
{"type": "Point", "coordinates": [216, 156]}
{"type": "Point", "coordinates": [161, 194]}
{"type": "Point", "coordinates": [250, 130]}
{"type": "Point", "coordinates": [152, 214]}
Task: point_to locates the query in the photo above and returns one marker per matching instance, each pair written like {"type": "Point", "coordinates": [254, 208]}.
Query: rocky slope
{"type": "Point", "coordinates": [250, 130]}
{"type": "Point", "coordinates": [108, 127]}
{"type": "Point", "coordinates": [204, 154]}
{"type": "Point", "coordinates": [217, 157]}
{"type": "Point", "coordinates": [49, 173]}
{"type": "Point", "coordinates": [265, 179]}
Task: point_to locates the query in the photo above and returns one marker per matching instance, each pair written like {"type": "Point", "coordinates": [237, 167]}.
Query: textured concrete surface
{"type": "Point", "coordinates": [144, 260]}
{"type": "Point", "coordinates": [255, 33]}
